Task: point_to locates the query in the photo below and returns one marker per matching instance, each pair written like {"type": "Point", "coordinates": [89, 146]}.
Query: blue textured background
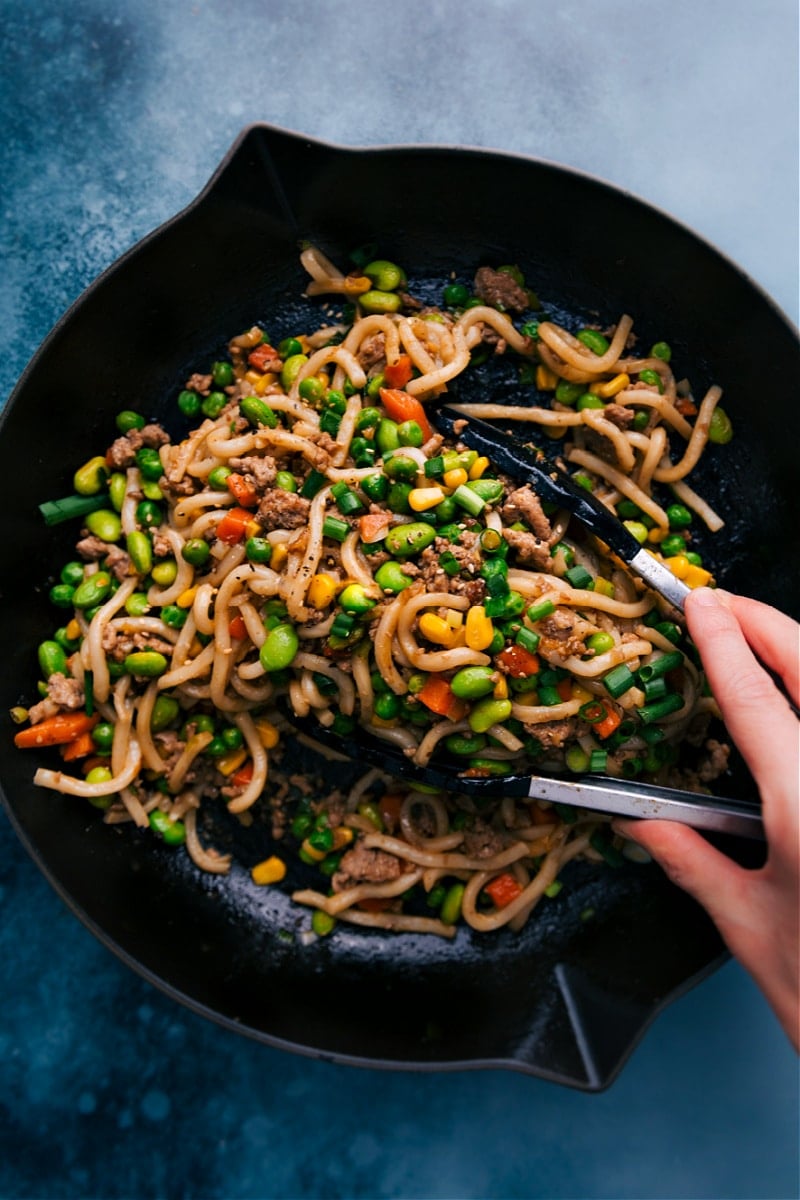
{"type": "Point", "coordinates": [113, 117]}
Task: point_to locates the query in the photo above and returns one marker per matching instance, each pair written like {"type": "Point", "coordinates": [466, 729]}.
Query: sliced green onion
{"type": "Point", "coordinates": [314, 481]}
{"type": "Point", "coordinates": [618, 681]}
{"type": "Point", "coordinates": [598, 761]}
{"type": "Point", "coordinates": [661, 708]}
{"type": "Point", "coordinates": [332, 527]}
{"type": "Point", "coordinates": [660, 666]}
{"type": "Point", "coordinates": [490, 540]}
{"type": "Point", "coordinates": [528, 639]}
{"type": "Point", "coordinates": [593, 711]}
{"type": "Point", "coordinates": [548, 696]}
{"type": "Point", "coordinates": [537, 611]}
{"type": "Point", "coordinates": [469, 500]}
{"type": "Point", "coordinates": [579, 577]}
{"type": "Point", "coordinates": [600, 842]}
{"type": "Point", "coordinates": [655, 689]}
{"type": "Point", "coordinates": [449, 563]}
{"type": "Point", "coordinates": [56, 511]}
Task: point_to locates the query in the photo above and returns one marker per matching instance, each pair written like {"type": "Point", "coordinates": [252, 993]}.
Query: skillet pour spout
{"type": "Point", "coordinates": [567, 998]}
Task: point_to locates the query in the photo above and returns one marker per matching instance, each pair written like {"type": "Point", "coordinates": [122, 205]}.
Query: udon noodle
{"type": "Point", "coordinates": [311, 545]}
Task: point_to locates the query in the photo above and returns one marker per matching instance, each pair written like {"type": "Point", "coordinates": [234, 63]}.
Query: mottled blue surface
{"type": "Point", "coordinates": [113, 117]}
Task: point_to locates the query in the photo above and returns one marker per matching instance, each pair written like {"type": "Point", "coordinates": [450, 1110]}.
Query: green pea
{"type": "Point", "coordinates": [390, 577]}
{"type": "Point", "coordinates": [672, 545]}
{"type": "Point", "coordinates": [61, 595]}
{"type": "Point", "coordinates": [410, 433]}
{"type": "Point", "coordinates": [661, 350]}
{"type": "Point", "coordinates": [374, 384]}
{"type": "Point", "coordinates": [594, 340]}
{"type": "Point", "coordinates": [651, 377]}
{"type": "Point", "coordinates": [222, 373]}
{"type": "Point", "coordinates": [213, 404]}
{"type": "Point", "coordinates": [189, 403]}
{"type": "Point", "coordinates": [336, 401]}
{"type": "Point", "coordinates": [368, 418]}
{"type": "Point", "coordinates": [497, 643]}
{"type": "Point", "coordinates": [148, 663]}
{"type": "Point", "coordinates": [201, 723]}
{"type": "Point", "coordinates": [465, 745]}
{"type": "Point", "coordinates": [386, 436]}
{"type": "Point", "coordinates": [641, 420]}
{"type": "Point", "coordinates": [679, 516]}
{"type": "Point", "coordinates": [66, 643]}
{"type": "Point", "coordinates": [600, 642]}
{"type": "Point", "coordinates": [71, 573]}
{"type": "Point", "coordinates": [451, 905]}
{"type": "Point", "coordinates": [587, 400]}
{"type": "Point", "coordinates": [103, 735]}
{"type": "Point", "coordinates": [397, 498]}
{"type": "Point", "coordinates": [568, 393]}
{"type": "Point", "coordinates": [174, 616]}
{"type": "Point", "coordinates": [279, 648]}
{"type": "Point", "coordinates": [90, 479]}
{"type": "Point", "coordinates": [286, 481]}
{"type": "Point", "coordinates": [470, 683]}
{"type": "Point", "coordinates": [257, 412]}
{"type": "Point", "coordinates": [137, 604]}
{"type": "Point", "coordinates": [289, 347]}
{"type": "Point", "coordinates": [105, 524]}
{"type": "Point", "coordinates": [377, 301]}
{"type": "Point", "coordinates": [148, 513]}
{"type": "Point", "coordinates": [416, 682]}
{"type": "Point", "coordinates": [312, 389]}
{"type": "Point", "coordinates": [387, 706]}
{"type": "Point", "coordinates": [232, 736]}
{"type": "Point", "coordinates": [488, 712]}
{"type": "Point", "coordinates": [322, 923]}
{"type": "Point", "coordinates": [455, 295]}
{"type": "Point", "coordinates": [291, 369]}
{"type": "Point", "coordinates": [720, 431]}
{"type": "Point", "coordinates": [128, 420]}
{"type": "Point", "coordinates": [258, 549]}
{"type": "Point", "coordinates": [165, 710]}
{"type": "Point", "coordinates": [117, 486]}
{"type": "Point", "coordinates": [100, 775]}
{"type": "Point", "coordinates": [173, 832]}
{"type": "Point", "coordinates": [52, 659]}
{"type": "Point", "coordinates": [404, 541]}
{"type": "Point", "coordinates": [694, 558]}
{"type": "Point", "coordinates": [445, 511]}
{"type": "Point", "coordinates": [354, 599]}
{"type": "Point", "coordinates": [196, 552]}
{"type": "Point", "coordinates": [218, 478]}
{"type": "Point", "coordinates": [386, 276]}
{"type": "Point", "coordinates": [94, 590]}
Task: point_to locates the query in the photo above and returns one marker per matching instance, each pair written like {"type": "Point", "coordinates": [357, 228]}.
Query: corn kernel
{"type": "Point", "coordinates": [195, 648]}
{"type": "Point", "coordinates": [581, 693]}
{"type": "Point", "coordinates": [454, 618]}
{"type": "Point", "coordinates": [186, 598]}
{"type": "Point", "coordinates": [657, 535]}
{"type": "Point", "coordinates": [321, 590]}
{"type": "Point", "coordinates": [527, 698]}
{"type": "Point", "coordinates": [267, 733]}
{"type": "Point", "coordinates": [262, 383]}
{"type": "Point", "coordinates": [546, 379]}
{"type": "Point", "coordinates": [455, 478]}
{"type": "Point", "coordinates": [252, 377]}
{"type": "Point", "coordinates": [696, 576]}
{"type": "Point", "coordinates": [479, 629]}
{"type": "Point", "coordinates": [342, 836]}
{"type": "Point", "coordinates": [312, 852]}
{"type": "Point", "coordinates": [380, 723]}
{"type": "Point", "coordinates": [610, 387]}
{"type": "Point", "coordinates": [679, 565]}
{"type": "Point", "coordinates": [421, 499]}
{"type": "Point", "coordinates": [355, 285]}
{"type": "Point", "coordinates": [279, 557]}
{"type": "Point", "coordinates": [478, 468]}
{"type": "Point", "coordinates": [271, 870]}
{"type": "Point", "coordinates": [228, 763]}
{"type": "Point", "coordinates": [501, 689]}
{"type": "Point", "coordinates": [73, 629]}
{"type": "Point", "coordinates": [604, 586]}
{"type": "Point", "coordinates": [435, 629]}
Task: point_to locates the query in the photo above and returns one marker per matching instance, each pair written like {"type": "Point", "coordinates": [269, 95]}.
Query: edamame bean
{"type": "Point", "coordinates": [386, 276]}
{"type": "Point", "coordinates": [404, 541]}
{"type": "Point", "coordinates": [105, 524]}
{"type": "Point", "coordinates": [165, 572]}
{"type": "Point", "coordinates": [489, 490]}
{"type": "Point", "coordinates": [470, 683]}
{"type": "Point", "coordinates": [289, 347]}
{"type": "Point", "coordinates": [464, 745]}
{"type": "Point", "coordinates": [151, 490]}
{"type": "Point", "coordinates": [488, 712]}
{"type": "Point", "coordinates": [279, 648]}
{"type": "Point", "coordinates": [354, 599]}
{"type": "Point", "coordinates": [100, 775]}
{"type": "Point", "coordinates": [52, 659]}
{"type": "Point", "coordinates": [257, 412]}
{"type": "Point", "coordinates": [147, 663]}
{"type": "Point", "coordinates": [71, 573]}
{"type": "Point", "coordinates": [720, 430]}
{"type": "Point", "coordinates": [451, 905]}
{"type": "Point", "coordinates": [390, 577]}
{"type": "Point", "coordinates": [386, 435]}
{"type": "Point", "coordinates": [117, 485]}
{"type": "Point", "coordinates": [61, 595]}
{"type": "Point", "coordinates": [377, 301]}
{"type": "Point", "coordinates": [137, 604]}
{"type": "Point", "coordinates": [213, 404]}
{"type": "Point", "coordinates": [139, 547]}
{"type": "Point", "coordinates": [286, 481]}
{"type": "Point", "coordinates": [90, 479]}
{"type": "Point", "coordinates": [292, 368]}
{"type": "Point", "coordinates": [94, 590]}
{"type": "Point", "coordinates": [312, 389]}
{"type": "Point", "coordinates": [400, 466]}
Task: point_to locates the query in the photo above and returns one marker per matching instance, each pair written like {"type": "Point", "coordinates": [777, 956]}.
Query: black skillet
{"type": "Point", "coordinates": [568, 997]}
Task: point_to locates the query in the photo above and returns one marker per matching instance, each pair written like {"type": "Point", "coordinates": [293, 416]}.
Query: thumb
{"type": "Point", "coordinates": [693, 864]}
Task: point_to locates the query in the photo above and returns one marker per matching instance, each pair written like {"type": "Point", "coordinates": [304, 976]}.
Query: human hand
{"type": "Point", "coordinates": [755, 911]}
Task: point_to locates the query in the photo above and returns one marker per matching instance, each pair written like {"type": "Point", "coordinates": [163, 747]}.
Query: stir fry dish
{"type": "Point", "coordinates": [309, 545]}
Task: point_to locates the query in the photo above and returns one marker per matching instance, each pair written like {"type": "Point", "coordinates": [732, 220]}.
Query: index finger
{"type": "Point", "coordinates": [757, 716]}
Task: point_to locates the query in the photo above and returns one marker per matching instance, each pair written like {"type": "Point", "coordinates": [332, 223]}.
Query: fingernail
{"type": "Point", "coordinates": [704, 597]}
{"type": "Point", "coordinates": [623, 829]}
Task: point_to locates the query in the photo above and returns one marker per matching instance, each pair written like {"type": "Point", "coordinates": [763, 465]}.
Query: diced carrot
{"type": "Point", "coordinates": [402, 407]}
{"type": "Point", "coordinates": [243, 492]}
{"type": "Point", "coordinates": [397, 374]}
{"type": "Point", "coordinates": [389, 808]}
{"type": "Point", "coordinates": [79, 748]}
{"type": "Point", "coordinates": [503, 889]}
{"type": "Point", "coordinates": [234, 525]}
{"type": "Point", "coordinates": [244, 775]}
{"type": "Point", "coordinates": [605, 727]}
{"type": "Point", "coordinates": [518, 661]}
{"type": "Point", "coordinates": [264, 358]}
{"type": "Point", "coordinates": [55, 731]}
{"type": "Point", "coordinates": [437, 695]}
{"type": "Point", "coordinates": [237, 627]}
{"type": "Point", "coordinates": [373, 526]}
{"type": "Point", "coordinates": [685, 406]}
{"type": "Point", "coordinates": [564, 689]}
{"type": "Point", "coordinates": [376, 904]}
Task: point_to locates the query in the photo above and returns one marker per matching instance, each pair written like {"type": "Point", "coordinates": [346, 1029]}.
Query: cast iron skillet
{"type": "Point", "coordinates": [568, 998]}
